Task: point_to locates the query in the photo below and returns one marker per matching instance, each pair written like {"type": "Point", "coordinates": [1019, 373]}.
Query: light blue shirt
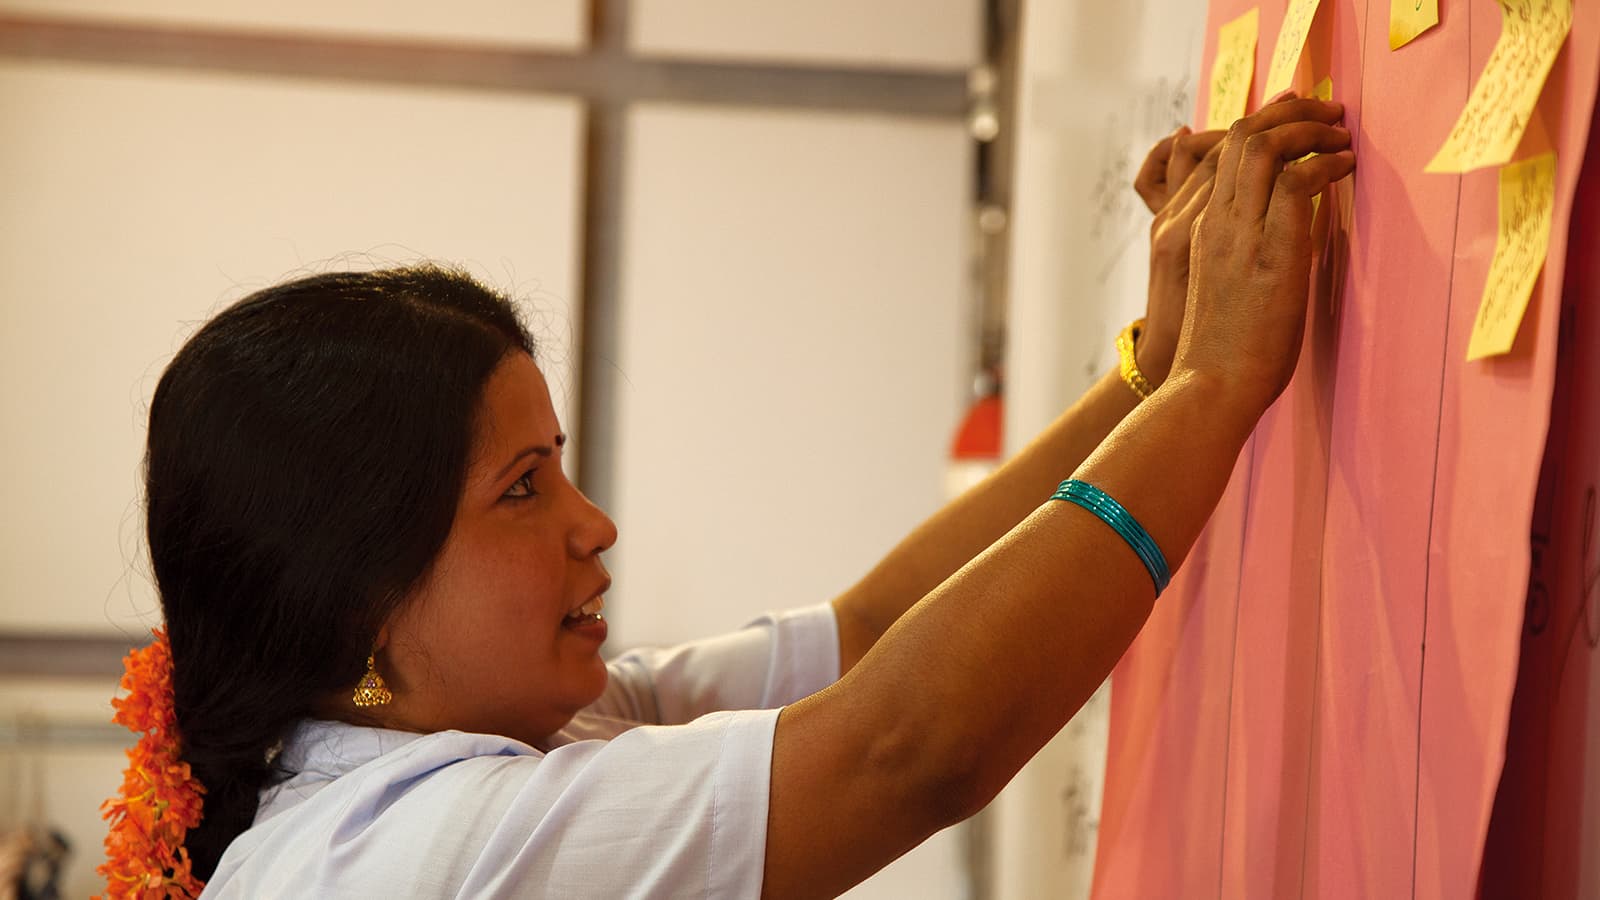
{"type": "Point", "coordinates": [657, 790]}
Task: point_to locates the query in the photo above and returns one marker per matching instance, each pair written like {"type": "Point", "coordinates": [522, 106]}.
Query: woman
{"type": "Point", "coordinates": [384, 598]}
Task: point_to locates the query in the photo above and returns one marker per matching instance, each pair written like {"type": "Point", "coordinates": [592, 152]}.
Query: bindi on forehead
{"type": "Point", "coordinates": [530, 452]}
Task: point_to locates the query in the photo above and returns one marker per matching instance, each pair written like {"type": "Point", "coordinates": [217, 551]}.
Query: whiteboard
{"type": "Point", "coordinates": [1099, 85]}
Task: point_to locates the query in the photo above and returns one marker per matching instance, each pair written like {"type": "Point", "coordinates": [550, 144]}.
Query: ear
{"type": "Point", "coordinates": [383, 639]}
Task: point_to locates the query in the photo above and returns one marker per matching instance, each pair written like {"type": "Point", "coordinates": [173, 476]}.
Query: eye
{"type": "Point", "coordinates": [522, 488]}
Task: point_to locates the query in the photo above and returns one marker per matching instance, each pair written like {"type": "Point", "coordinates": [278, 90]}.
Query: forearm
{"type": "Point", "coordinates": [967, 525]}
{"type": "Point", "coordinates": [976, 677]}
{"type": "Point", "coordinates": [1004, 652]}
{"type": "Point", "coordinates": [966, 686]}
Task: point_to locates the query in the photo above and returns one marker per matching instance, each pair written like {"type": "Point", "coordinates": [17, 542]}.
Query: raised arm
{"type": "Point", "coordinates": [980, 673]}
{"type": "Point", "coordinates": [966, 525]}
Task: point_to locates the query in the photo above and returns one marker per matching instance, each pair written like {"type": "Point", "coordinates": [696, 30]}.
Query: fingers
{"type": "Point", "coordinates": [1203, 176]}
{"type": "Point", "coordinates": [1290, 209]}
{"type": "Point", "coordinates": [1171, 237]}
{"type": "Point", "coordinates": [1204, 182]}
{"type": "Point", "coordinates": [1199, 185]}
{"type": "Point", "coordinates": [1266, 154]}
{"type": "Point", "coordinates": [1151, 183]}
{"type": "Point", "coordinates": [1273, 115]}
{"type": "Point", "coordinates": [1187, 152]}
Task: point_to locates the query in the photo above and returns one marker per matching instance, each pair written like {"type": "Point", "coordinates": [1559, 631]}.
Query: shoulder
{"type": "Point", "coordinates": [478, 815]}
{"type": "Point", "coordinates": [421, 811]}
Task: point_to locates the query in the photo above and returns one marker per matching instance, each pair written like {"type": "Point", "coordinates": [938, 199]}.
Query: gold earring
{"type": "Point", "coordinates": [370, 690]}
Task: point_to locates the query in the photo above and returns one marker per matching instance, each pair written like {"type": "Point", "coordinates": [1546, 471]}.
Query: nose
{"type": "Point", "coordinates": [593, 532]}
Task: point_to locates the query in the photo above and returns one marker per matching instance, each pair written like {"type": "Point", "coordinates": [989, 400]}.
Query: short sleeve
{"type": "Point", "coordinates": [660, 811]}
{"type": "Point", "coordinates": [775, 660]}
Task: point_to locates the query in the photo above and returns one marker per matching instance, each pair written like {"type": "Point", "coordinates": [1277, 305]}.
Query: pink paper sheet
{"type": "Point", "coordinates": [1279, 730]}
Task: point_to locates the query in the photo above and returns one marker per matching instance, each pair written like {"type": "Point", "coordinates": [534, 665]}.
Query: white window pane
{"type": "Point", "coordinates": [138, 203]}
{"type": "Point", "coordinates": [905, 33]}
{"type": "Point", "coordinates": [552, 23]}
{"type": "Point", "coordinates": [793, 362]}
{"type": "Point", "coordinates": [793, 354]}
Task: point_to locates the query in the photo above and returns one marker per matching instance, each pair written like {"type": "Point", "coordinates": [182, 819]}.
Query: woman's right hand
{"type": "Point", "coordinates": [1250, 261]}
{"type": "Point", "coordinates": [1018, 638]}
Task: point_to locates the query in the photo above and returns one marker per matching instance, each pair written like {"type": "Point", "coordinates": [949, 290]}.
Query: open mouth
{"type": "Point", "coordinates": [587, 614]}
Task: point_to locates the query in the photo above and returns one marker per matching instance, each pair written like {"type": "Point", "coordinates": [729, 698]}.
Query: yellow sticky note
{"type": "Point", "coordinates": [1291, 43]}
{"type": "Point", "coordinates": [1409, 18]}
{"type": "Point", "coordinates": [1235, 65]}
{"type": "Point", "coordinates": [1491, 125]}
{"type": "Point", "coordinates": [1323, 91]}
{"type": "Point", "coordinates": [1527, 202]}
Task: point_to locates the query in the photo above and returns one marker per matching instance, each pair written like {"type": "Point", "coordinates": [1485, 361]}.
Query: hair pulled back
{"type": "Point", "coordinates": [307, 448]}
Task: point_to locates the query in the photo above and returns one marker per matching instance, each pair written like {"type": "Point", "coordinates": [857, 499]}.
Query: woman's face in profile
{"type": "Point", "coordinates": [496, 638]}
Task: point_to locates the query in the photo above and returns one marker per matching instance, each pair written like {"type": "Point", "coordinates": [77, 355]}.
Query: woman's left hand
{"type": "Point", "coordinates": [1191, 164]}
{"type": "Point", "coordinates": [1168, 165]}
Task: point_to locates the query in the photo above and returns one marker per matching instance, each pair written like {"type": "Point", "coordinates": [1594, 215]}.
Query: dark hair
{"type": "Point", "coordinates": [307, 449]}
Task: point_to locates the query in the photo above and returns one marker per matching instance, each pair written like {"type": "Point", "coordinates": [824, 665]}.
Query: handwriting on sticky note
{"type": "Point", "coordinates": [1409, 18]}
{"type": "Point", "coordinates": [1491, 125]}
{"type": "Point", "coordinates": [1235, 65]}
{"type": "Point", "coordinates": [1527, 202]}
{"type": "Point", "coordinates": [1291, 43]}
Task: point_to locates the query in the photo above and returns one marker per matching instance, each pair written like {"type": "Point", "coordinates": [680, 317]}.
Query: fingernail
{"type": "Point", "coordinates": [1282, 96]}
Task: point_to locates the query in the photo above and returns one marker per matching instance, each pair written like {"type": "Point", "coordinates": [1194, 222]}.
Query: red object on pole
{"type": "Point", "coordinates": [978, 438]}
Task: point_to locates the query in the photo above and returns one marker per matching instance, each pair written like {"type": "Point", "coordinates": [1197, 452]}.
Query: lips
{"type": "Point", "coordinates": [589, 609]}
{"type": "Point", "coordinates": [586, 622]}
{"type": "Point", "coordinates": [589, 612]}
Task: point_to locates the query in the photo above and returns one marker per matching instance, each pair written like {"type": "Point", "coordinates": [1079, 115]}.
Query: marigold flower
{"type": "Point", "coordinates": [160, 799]}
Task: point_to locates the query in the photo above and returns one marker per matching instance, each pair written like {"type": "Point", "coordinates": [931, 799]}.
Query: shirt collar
{"type": "Point", "coordinates": [329, 748]}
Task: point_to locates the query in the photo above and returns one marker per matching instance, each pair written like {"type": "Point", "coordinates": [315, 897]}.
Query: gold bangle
{"type": "Point", "coordinates": [1129, 366]}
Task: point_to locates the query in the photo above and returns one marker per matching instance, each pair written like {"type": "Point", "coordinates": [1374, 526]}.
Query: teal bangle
{"type": "Point", "coordinates": [1122, 522]}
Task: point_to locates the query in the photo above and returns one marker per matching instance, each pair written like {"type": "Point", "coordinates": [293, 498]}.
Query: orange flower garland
{"type": "Point", "coordinates": [160, 798]}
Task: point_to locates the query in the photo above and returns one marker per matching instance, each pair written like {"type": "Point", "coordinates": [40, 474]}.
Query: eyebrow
{"type": "Point", "coordinates": [544, 450]}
